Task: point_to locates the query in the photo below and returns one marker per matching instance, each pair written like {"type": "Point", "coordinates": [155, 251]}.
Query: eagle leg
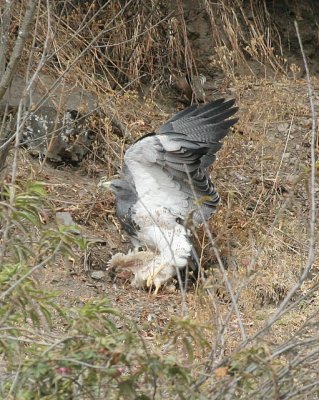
{"type": "Point", "coordinates": [150, 279]}
{"type": "Point", "coordinates": [157, 287]}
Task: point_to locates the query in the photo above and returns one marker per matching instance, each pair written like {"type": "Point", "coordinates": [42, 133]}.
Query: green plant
{"type": "Point", "coordinates": [90, 356]}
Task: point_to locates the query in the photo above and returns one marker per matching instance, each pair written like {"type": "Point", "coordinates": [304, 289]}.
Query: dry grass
{"type": "Point", "coordinates": [242, 33]}
{"type": "Point", "coordinates": [255, 181]}
{"type": "Point", "coordinates": [262, 168]}
{"type": "Point", "coordinates": [261, 172]}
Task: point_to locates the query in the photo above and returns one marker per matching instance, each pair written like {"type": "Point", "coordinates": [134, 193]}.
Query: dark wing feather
{"type": "Point", "coordinates": [183, 148]}
{"type": "Point", "coordinates": [196, 132]}
{"type": "Point", "coordinates": [194, 117]}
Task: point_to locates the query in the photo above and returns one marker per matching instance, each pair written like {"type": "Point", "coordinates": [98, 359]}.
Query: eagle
{"type": "Point", "coordinates": [164, 183]}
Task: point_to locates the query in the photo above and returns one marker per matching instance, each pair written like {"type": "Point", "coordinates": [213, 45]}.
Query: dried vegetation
{"type": "Point", "coordinates": [234, 334]}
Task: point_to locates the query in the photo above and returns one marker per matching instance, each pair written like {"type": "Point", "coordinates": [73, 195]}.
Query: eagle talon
{"type": "Point", "coordinates": [150, 281]}
{"type": "Point", "coordinates": [157, 287]}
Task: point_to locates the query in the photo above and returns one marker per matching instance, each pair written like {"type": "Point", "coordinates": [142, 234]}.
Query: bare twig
{"type": "Point", "coordinates": [30, 272]}
{"type": "Point", "coordinates": [4, 33]}
{"type": "Point", "coordinates": [23, 35]}
{"type": "Point", "coordinates": [220, 263]}
{"type": "Point", "coordinates": [312, 191]}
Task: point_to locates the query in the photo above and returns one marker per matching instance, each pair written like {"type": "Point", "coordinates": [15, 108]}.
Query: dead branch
{"type": "Point", "coordinates": [31, 271]}
{"type": "Point", "coordinates": [4, 34]}
{"type": "Point", "coordinates": [312, 200]}
{"type": "Point", "coordinates": [23, 35]}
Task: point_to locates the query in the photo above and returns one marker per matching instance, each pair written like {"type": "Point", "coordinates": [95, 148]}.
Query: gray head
{"type": "Point", "coordinates": [122, 188]}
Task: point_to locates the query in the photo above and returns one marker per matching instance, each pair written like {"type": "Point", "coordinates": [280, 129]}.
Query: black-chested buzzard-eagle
{"type": "Point", "coordinates": [165, 180]}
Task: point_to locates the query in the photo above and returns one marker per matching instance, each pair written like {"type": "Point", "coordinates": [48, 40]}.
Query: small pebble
{"type": "Point", "coordinates": [97, 275]}
{"type": "Point", "coordinates": [65, 218]}
{"type": "Point", "coordinates": [283, 127]}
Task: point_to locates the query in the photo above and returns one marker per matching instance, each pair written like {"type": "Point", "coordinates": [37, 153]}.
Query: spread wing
{"type": "Point", "coordinates": [169, 168]}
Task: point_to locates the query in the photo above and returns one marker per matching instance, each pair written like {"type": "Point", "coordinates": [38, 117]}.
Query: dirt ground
{"type": "Point", "coordinates": [261, 169]}
{"type": "Point", "coordinates": [261, 227]}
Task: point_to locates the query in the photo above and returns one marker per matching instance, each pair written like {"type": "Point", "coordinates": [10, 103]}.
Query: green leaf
{"type": "Point", "coordinates": [126, 389]}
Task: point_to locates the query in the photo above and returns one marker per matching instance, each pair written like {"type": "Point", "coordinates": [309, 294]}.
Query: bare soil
{"type": "Point", "coordinates": [261, 169]}
{"type": "Point", "coordinates": [261, 174]}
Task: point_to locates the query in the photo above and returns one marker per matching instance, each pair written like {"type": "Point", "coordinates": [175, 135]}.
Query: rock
{"type": "Point", "coordinates": [58, 137]}
{"type": "Point", "coordinates": [283, 127]}
{"type": "Point", "coordinates": [61, 136]}
{"type": "Point", "coordinates": [72, 96]}
{"type": "Point", "coordinates": [98, 275]}
{"type": "Point", "coordinates": [241, 177]}
{"type": "Point", "coordinates": [65, 218]}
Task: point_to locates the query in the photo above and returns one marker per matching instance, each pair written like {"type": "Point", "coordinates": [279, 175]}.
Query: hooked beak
{"type": "Point", "coordinates": [104, 184]}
